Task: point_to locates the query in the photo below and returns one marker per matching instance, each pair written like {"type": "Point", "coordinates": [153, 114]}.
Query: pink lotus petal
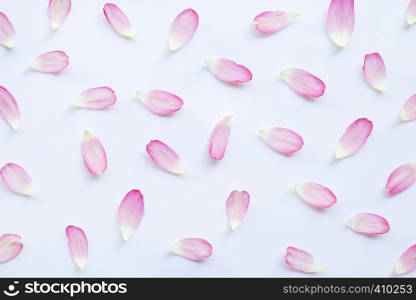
{"type": "Point", "coordinates": [269, 22]}
{"type": "Point", "coordinates": [401, 179]}
{"type": "Point", "coordinates": [7, 33]}
{"type": "Point", "coordinates": [51, 62]}
{"type": "Point", "coordinates": [303, 83]}
{"type": "Point", "coordinates": [192, 248]}
{"type": "Point", "coordinates": [96, 98]}
{"type": "Point", "coordinates": [315, 194]}
{"type": "Point", "coordinates": [160, 102]}
{"type": "Point", "coordinates": [375, 72]}
{"type": "Point", "coordinates": [340, 21]}
{"type": "Point", "coordinates": [302, 261]}
{"type": "Point", "coordinates": [219, 138]}
{"type": "Point", "coordinates": [17, 179]}
{"type": "Point", "coordinates": [58, 11]}
{"type": "Point", "coordinates": [182, 29]}
{"type": "Point", "coordinates": [165, 157]}
{"type": "Point", "coordinates": [118, 20]}
{"type": "Point", "coordinates": [78, 245]}
{"type": "Point", "coordinates": [93, 153]}
{"type": "Point", "coordinates": [411, 13]}
{"type": "Point", "coordinates": [407, 261]}
{"type": "Point", "coordinates": [237, 205]}
{"type": "Point", "coordinates": [408, 112]}
{"type": "Point", "coordinates": [369, 224]}
{"type": "Point", "coordinates": [228, 71]}
{"type": "Point", "coordinates": [354, 138]}
{"type": "Point", "coordinates": [9, 109]}
{"type": "Point", "coordinates": [282, 140]}
{"type": "Point", "coordinates": [10, 246]}
{"type": "Point", "coordinates": [130, 213]}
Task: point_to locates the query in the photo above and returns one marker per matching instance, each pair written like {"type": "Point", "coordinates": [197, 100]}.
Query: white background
{"type": "Point", "coordinates": [193, 205]}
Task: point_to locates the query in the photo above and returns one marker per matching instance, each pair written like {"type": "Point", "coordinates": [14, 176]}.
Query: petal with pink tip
{"type": "Point", "coordinates": [118, 20]}
{"type": "Point", "coordinates": [411, 13]}
{"type": "Point", "coordinates": [369, 224]}
{"type": "Point", "coordinates": [78, 245]}
{"type": "Point", "coordinates": [303, 83]}
{"type": "Point", "coordinates": [401, 178]}
{"type": "Point", "coordinates": [58, 11]}
{"type": "Point", "coordinates": [160, 102]}
{"type": "Point", "coordinates": [354, 138]}
{"type": "Point", "coordinates": [282, 140]}
{"type": "Point", "coordinates": [182, 29]}
{"type": "Point", "coordinates": [165, 157]}
{"type": "Point", "coordinates": [10, 246]}
{"type": "Point", "coordinates": [302, 261]}
{"type": "Point", "coordinates": [407, 261]}
{"type": "Point", "coordinates": [7, 33]}
{"type": "Point", "coordinates": [51, 62]}
{"type": "Point", "coordinates": [237, 205]}
{"type": "Point", "coordinates": [269, 22]}
{"type": "Point", "coordinates": [219, 139]}
{"type": "Point", "coordinates": [228, 71]}
{"type": "Point", "coordinates": [130, 213]}
{"type": "Point", "coordinates": [17, 179]}
{"type": "Point", "coordinates": [96, 98]}
{"type": "Point", "coordinates": [375, 72]}
{"type": "Point", "coordinates": [408, 112]}
{"type": "Point", "coordinates": [93, 153]}
{"type": "Point", "coordinates": [9, 109]}
{"type": "Point", "coordinates": [315, 194]}
{"type": "Point", "coordinates": [192, 248]}
{"type": "Point", "coordinates": [340, 21]}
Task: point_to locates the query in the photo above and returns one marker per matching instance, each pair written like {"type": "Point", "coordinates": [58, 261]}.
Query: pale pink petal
{"type": "Point", "coordinates": [130, 213]}
{"type": "Point", "coordinates": [237, 205]}
{"type": "Point", "coordinates": [118, 20]}
{"type": "Point", "coordinates": [94, 155]}
{"type": "Point", "coordinates": [302, 261]}
{"type": "Point", "coordinates": [165, 157]}
{"type": "Point", "coordinates": [340, 21]}
{"type": "Point", "coordinates": [96, 98]}
{"type": "Point", "coordinates": [411, 13]}
{"type": "Point", "coordinates": [303, 83]}
{"type": "Point", "coordinates": [78, 245]}
{"type": "Point", "coordinates": [192, 248]}
{"type": "Point", "coordinates": [228, 71]}
{"type": "Point", "coordinates": [269, 22]}
{"type": "Point", "coordinates": [407, 261]}
{"type": "Point", "coordinates": [17, 179]}
{"type": "Point", "coordinates": [10, 246]}
{"type": "Point", "coordinates": [51, 62]}
{"type": "Point", "coordinates": [401, 179]}
{"type": "Point", "coordinates": [375, 72]}
{"type": "Point", "coordinates": [369, 224]}
{"type": "Point", "coordinates": [315, 194]}
{"type": "Point", "coordinates": [282, 140]}
{"type": "Point", "coordinates": [182, 29]}
{"type": "Point", "coordinates": [354, 138]}
{"type": "Point", "coordinates": [408, 112]}
{"type": "Point", "coordinates": [160, 102]}
{"type": "Point", "coordinates": [9, 109]}
{"type": "Point", "coordinates": [58, 11]}
{"type": "Point", "coordinates": [7, 33]}
{"type": "Point", "coordinates": [219, 138]}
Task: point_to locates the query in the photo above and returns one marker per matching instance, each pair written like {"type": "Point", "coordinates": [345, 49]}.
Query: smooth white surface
{"type": "Point", "coordinates": [48, 143]}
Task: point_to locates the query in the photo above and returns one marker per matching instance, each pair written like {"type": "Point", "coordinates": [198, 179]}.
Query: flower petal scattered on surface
{"type": "Point", "coordinates": [160, 102]}
{"type": "Point", "coordinates": [401, 178]}
{"type": "Point", "coordinates": [165, 157]}
{"type": "Point", "coordinates": [78, 245]}
{"type": "Point", "coordinates": [10, 246]}
{"type": "Point", "coordinates": [315, 194]}
{"type": "Point", "coordinates": [270, 22]}
{"type": "Point", "coordinates": [9, 109]}
{"type": "Point", "coordinates": [302, 261]}
{"type": "Point", "coordinates": [183, 29]}
{"type": "Point", "coordinates": [354, 138]}
{"type": "Point", "coordinates": [407, 261]}
{"type": "Point", "coordinates": [58, 11]}
{"type": "Point", "coordinates": [369, 224]}
{"type": "Point", "coordinates": [118, 20]}
{"type": "Point", "coordinates": [282, 140]}
{"type": "Point", "coordinates": [237, 206]}
{"type": "Point", "coordinates": [340, 21]}
{"type": "Point", "coordinates": [303, 83]}
{"type": "Point", "coordinates": [411, 13]}
{"type": "Point", "coordinates": [375, 72]}
{"type": "Point", "coordinates": [228, 71]}
{"type": "Point", "coordinates": [408, 112]}
{"type": "Point", "coordinates": [219, 139]}
{"type": "Point", "coordinates": [130, 213]}
{"type": "Point", "coordinates": [17, 179]}
{"type": "Point", "coordinates": [195, 249]}
{"type": "Point", "coordinates": [7, 32]}
{"type": "Point", "coordinates": [93, 153]}
{"type": "Point", "coordinates": [51, 62]}
{"type": "Point", "coordinates": [96, 98]}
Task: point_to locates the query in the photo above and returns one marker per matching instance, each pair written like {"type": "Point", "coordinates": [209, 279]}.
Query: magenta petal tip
{"type": "Point", "coordinates": [195, 249]}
